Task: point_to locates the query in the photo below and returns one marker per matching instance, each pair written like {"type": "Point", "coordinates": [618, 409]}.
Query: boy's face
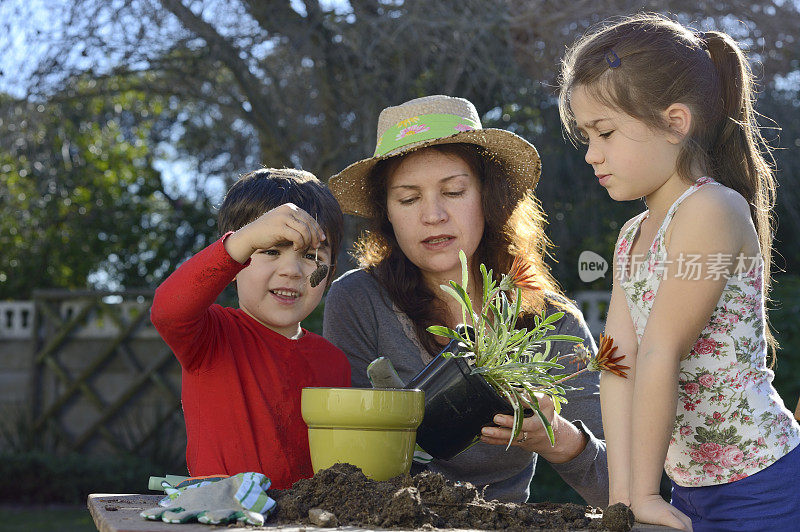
{"type": "Point", "coordinates": [275, 288]}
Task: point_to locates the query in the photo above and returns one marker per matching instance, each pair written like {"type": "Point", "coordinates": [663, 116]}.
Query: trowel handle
{"type": "Point", "coordinates": [154, 484]}
{"type": "Point", "coordinates": [381, 374]}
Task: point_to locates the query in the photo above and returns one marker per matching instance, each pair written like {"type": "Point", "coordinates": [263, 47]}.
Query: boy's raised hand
{"type": "Point", "coordinates": [287, 222]}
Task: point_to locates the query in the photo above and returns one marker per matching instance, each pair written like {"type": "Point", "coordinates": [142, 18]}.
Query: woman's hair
{"type": "Point", "coordinates": [514, 227]}
{"type": "Point", "coordinates": [262, 190]}
{"type": "Point", "coordinates": [643, 64]}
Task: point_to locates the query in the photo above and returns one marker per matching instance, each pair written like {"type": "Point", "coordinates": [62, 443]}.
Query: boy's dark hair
{"type": "Point", "coordinates": [259, 191]}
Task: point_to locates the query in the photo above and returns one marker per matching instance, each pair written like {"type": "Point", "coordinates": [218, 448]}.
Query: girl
{"type": "Point", "coordinates": [668, 116]}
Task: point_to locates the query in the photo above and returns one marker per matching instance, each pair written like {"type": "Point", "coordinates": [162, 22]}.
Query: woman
{"type": "Point", "coordinates": [439, 183]}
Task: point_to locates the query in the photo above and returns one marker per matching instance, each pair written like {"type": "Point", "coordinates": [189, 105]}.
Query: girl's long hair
{"type": "Point", "coordinates": [514, 227]}
{"type": "Point", "coordinates": [643, 64]}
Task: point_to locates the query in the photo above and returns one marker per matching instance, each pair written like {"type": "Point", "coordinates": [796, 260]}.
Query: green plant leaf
{"type": "Point", "coordinates": [450, 291]}
{"type": "Point", "coordinates": [495, 318]}
{"type": "Point", "coordinates": [547, 427]}
{"type": "Point", "coordinates": [504, 307]}
{"type": "Point", "coordinates": [562, 338]}
{"type": "Point", "coordinates": [557, 400]}
{"type": "Point", "coordinates": [490, 320]}
{"type": "Point", "coordinates": [464, 276]}
{"type": "Point", "coordinates": [511, 366]}
{"type": "Point", "coordinates": [517, 308]}
{"type": "Point", "coordinates": [439, 330]}
{"type": "Point", "coordinates": [463, 298]}
{"type": "Point", "coordinates": [534, 403]}
{"type": "Point", "coordinates": [485, 276]}
{"type": "Point", "coordinates": [519, 416]}
{"type": "Point", "coordinates": [552, 318]}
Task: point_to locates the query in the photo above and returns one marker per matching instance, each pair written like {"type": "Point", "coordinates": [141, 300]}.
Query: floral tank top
{"type": "Point", "coordinates": [730, 421]}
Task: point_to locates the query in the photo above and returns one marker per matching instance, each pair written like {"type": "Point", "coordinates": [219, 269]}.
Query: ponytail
{"type": "Point", "coordinates": [738, 154]}
{"type": "Point", "coordinates": [659, 62]}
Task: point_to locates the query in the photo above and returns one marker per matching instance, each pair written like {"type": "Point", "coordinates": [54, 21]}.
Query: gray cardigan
{"type": "Point", "coordinates": [362, 321]}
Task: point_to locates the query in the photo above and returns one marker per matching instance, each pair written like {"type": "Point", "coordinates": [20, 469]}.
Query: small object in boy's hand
{"type": "Point", "coordinates": [319, 274]}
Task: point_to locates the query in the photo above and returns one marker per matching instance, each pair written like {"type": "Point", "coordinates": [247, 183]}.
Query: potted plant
{"type": "Point", "coordinates": [491, 366]}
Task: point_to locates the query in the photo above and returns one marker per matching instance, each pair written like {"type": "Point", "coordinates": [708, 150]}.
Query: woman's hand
{"type": "Point", "coordinates": [655, 510]}
{"type": "Point", "coordinates": [570, 441]}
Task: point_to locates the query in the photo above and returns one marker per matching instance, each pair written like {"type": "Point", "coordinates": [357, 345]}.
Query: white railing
{"type": "Point", "coordinates": [594, 305]}
{"type": "Point", "coordinates": [102, 326]}
{"type": "Point", "coordinates": [16, 319]}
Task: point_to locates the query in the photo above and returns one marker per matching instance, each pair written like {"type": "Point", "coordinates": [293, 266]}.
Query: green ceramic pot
{"type": "Point", "coordinates": [372, 429]}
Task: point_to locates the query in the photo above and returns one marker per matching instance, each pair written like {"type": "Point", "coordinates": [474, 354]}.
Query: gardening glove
{"type": "Point", "coordinates": [420, 456]}
{"type": "Point", "coordinates": [176, 482]}
{"type": "Point", "coordinates": [240, 497]}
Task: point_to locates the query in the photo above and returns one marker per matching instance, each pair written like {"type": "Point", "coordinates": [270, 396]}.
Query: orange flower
{"type": "Point", "coordinates": [519, 276]}
{"type": "Point", "coordinates": [605, 361]}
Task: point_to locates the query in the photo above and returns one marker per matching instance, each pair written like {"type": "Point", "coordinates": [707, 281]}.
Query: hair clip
{"type": "Point", "coordinates": [612, 59]}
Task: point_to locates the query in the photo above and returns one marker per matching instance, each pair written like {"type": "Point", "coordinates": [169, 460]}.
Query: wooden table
{"type": "Point", "coordinates": [120, 513]}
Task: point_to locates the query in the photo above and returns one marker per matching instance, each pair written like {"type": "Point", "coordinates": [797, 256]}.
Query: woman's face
{"type": "Point", "coordinates": [433, 202]}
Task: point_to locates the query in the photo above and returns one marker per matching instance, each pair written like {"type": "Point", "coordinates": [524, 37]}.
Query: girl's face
{"type": "Point", "coordinates": [630, 159]}
{"type": "Point", "coordinates": [433, 202]}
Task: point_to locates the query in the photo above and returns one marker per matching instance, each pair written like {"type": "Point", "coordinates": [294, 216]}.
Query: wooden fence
{"type": "Point", "coordinates": [88, 370]}
{"type": "Point", "coordinates": [99, 379]}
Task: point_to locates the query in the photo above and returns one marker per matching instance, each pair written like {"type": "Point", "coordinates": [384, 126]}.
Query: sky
{"type": "Point", "coordinates": [29, 24]}
{"type": "Point", "coordinates": [26, 26]}
{"type": "Point", "coordinates": [18, 47]}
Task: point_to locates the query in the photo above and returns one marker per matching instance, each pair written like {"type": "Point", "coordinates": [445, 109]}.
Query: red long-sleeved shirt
{"type": "Point", "coordinates": [241, 381]}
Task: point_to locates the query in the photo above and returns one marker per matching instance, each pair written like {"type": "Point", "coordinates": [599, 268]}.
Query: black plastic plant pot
{"type": "Point", "coordinates": [457, 405]}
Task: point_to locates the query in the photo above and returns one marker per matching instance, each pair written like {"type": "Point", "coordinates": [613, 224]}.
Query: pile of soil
{"type": "Point", "coordinates": [344, 496]}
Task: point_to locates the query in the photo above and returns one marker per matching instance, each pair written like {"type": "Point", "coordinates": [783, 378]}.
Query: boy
{"type": "Point", "coordinates": [243, 369]}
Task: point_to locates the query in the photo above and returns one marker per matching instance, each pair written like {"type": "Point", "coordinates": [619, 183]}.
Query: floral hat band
{"type": "Point", "coordinates": [421, 128]}
{"type": "Point", "coordinates": [430, 121]}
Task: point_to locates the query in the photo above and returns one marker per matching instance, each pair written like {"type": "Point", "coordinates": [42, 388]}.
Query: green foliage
{"type": "Point", "coordinates": [89, 206]}
{"type": "Point", "coordinates": [276, 86]}
{"type": "Point", "coordinates": [39, 468]}
{"type": "Point", "coordinates": [45, 519]}
{"type": "Point", "coordinates": [785, 321]}
{"type": "Point", "coordinates": [514, 361]}
{"type": "Point", "coordinates": [36, 477]}
{"type": "Point", "coordinates": [81, 184]}
{"type": "Point", "coordinates": [547, 485]}
{"type": "Point", "coordinates": [313, 322]}
{"type": "Point", "coordinates": [17, 433]}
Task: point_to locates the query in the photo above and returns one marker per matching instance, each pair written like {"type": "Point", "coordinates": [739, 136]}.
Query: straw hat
{"type": "Point", "coordinates": [426, 122]}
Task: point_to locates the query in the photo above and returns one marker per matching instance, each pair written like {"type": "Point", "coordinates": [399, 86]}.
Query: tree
{"type": "Point", "coordinates": [89, 208]}
{"type": "Point", "coordinates": [300, 83]}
